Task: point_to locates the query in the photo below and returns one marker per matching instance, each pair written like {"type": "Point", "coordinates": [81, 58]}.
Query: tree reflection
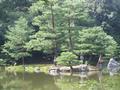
{"type": "Point", "coordinates": [26, 81]}
{"type": "Point", "coordinates": [42, 81]}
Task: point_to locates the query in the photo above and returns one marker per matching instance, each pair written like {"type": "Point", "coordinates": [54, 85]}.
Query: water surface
{"type": "Point", "coordinates": [42, 81]}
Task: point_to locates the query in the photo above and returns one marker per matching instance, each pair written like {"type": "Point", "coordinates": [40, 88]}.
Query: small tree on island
{"type": "Point", "coordinates": [67, 59]}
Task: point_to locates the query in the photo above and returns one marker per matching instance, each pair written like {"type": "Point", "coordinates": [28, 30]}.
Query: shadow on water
{"type": "Point", "coordinates": [65, 81]}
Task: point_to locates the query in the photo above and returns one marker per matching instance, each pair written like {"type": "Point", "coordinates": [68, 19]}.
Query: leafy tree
{"type": "Point", "coordinates": [106, 14]}
{"type": "Point", "coordinates": [10, 11]}
{"type": "Point", "coordinates": [47, 18]}
{"type": "Point", "coordinates": [17, 37]}
{"type": "Point", "coordinates": [75, 17]}
{"type": "Point", "coordinates": [59, 24]}
{"type": "Point", "coordinates": [40, 43]}
{"type": "Point", "coordinates": [62, 26]}
{"type": "Point", "coordinates": [67, 59]}
{"type": "Point", "coordinates": [94, 41]}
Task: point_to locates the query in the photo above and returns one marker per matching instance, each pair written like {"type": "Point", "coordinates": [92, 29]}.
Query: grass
{"type": "Point", "coordinates": [29, 68]}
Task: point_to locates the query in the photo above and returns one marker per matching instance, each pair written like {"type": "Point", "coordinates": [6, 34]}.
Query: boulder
{"type": "Point", "coordinates": [64, 69]}
{"type": "Point", "coordinates": [93, 68]}
{"type": "Point", "coordinates": [54, 69]}
{"type": "Point", "coordinates": [37, 69]}
{"type": "Point", "coordinates": [80, 68]}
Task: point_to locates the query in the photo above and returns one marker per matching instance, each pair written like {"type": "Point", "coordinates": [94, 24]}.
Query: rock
{"type": "Point", "coordinates": [37, 69]}
{"type": "Point", "coordinates": [80, 68]}
{"type": "Point", "coordinates": [84, 68]}
{"type": "Point", "coordinates": [64, 69]}
{"type": "Point", "coordinates": [112, 64]}
{"type": "Point", "coordinates": [93, 68]}
{"type": "Point", "coordinates": [54, 71]}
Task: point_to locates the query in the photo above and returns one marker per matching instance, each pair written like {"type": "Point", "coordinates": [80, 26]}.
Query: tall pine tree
{"type": "Point", "coordinates": [16, 39]}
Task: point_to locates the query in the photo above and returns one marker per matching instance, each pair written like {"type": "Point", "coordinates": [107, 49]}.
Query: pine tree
{"type": "Point", "coordinates": [75, 17]}
{"type": "Point", "coordinates": [59, 23]}
{"type": "Point", "coordinates": [47, 39]}
{"type": "Point", "coordinates": [16, 39]}
{"type": "Point", "coordinates": [94, 41]}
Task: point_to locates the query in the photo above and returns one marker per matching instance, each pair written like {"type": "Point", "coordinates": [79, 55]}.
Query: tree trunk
{"type": "Point", "coordinates": [70, 25]}
{"type": "Point", "coordinates": [71, 69]}
{"type": "Point", "coordinates": [100, 57]}
{"type": "Point", "coordinates": [69, 35]}
{"type": "Point", "coordinates": [99, 63]}
{"type": "Point", "coordinates": [55, 62]}
{"type": "Point", "coordinates": [54, 40]}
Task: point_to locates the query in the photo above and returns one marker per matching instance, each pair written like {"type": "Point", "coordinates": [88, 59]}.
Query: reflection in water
{"type": "Point", "coordinates": [83, 76]}
{"type": "Point", "coordinates": [114, 71]}
{"type": "Point", "coordinates": [42, 81]}
{"type": "Point", "coordinates": [26, 81]}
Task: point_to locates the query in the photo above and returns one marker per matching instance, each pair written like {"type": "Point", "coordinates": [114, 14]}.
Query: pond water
{"type": "Point", "coordinates": [42, 81]}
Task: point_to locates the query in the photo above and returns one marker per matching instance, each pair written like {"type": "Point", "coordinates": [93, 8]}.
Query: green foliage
{"type": "Point", "coordinates": [67, 58]}
{"type": "Point", "coordinates": [46, 39]}
{"type": "Point", "coordinates": [106, 14]}
{"type": "Point", "coordinates": [39, 42]}
{"type": "Point", "coordinates": [17, 36]}
{"type": "Point", "coordinates": [10, 11]}
{"type": "Point", "coordinates": [2, 62]}
{"type": "Point", "coordinates": [74, 17]}
{"type": "Point", "coordinates": [59, 23]}
{"type": "Point", "coordinates": [63, 25]}
{"type": "Point", "coordinates": [95, 41]}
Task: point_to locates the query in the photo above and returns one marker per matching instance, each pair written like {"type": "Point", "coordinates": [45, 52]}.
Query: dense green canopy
{"type": "Point", "coordinates": [95, 41]}
{"type": "Point", "coordinates": [17, 37]}
{"type": "Point", "coordinates": [55, 26]}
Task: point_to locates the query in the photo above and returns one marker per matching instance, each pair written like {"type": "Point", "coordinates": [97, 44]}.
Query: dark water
{"type": "Point", "coordinates": [42, 81]}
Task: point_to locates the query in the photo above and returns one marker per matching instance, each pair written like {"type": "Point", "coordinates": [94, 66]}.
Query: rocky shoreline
{"type": "Point", "coordinates": [78, 68]}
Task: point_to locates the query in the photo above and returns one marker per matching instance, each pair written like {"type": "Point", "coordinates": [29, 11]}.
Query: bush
{"type": "Point", "coordinates": [67, 59]}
